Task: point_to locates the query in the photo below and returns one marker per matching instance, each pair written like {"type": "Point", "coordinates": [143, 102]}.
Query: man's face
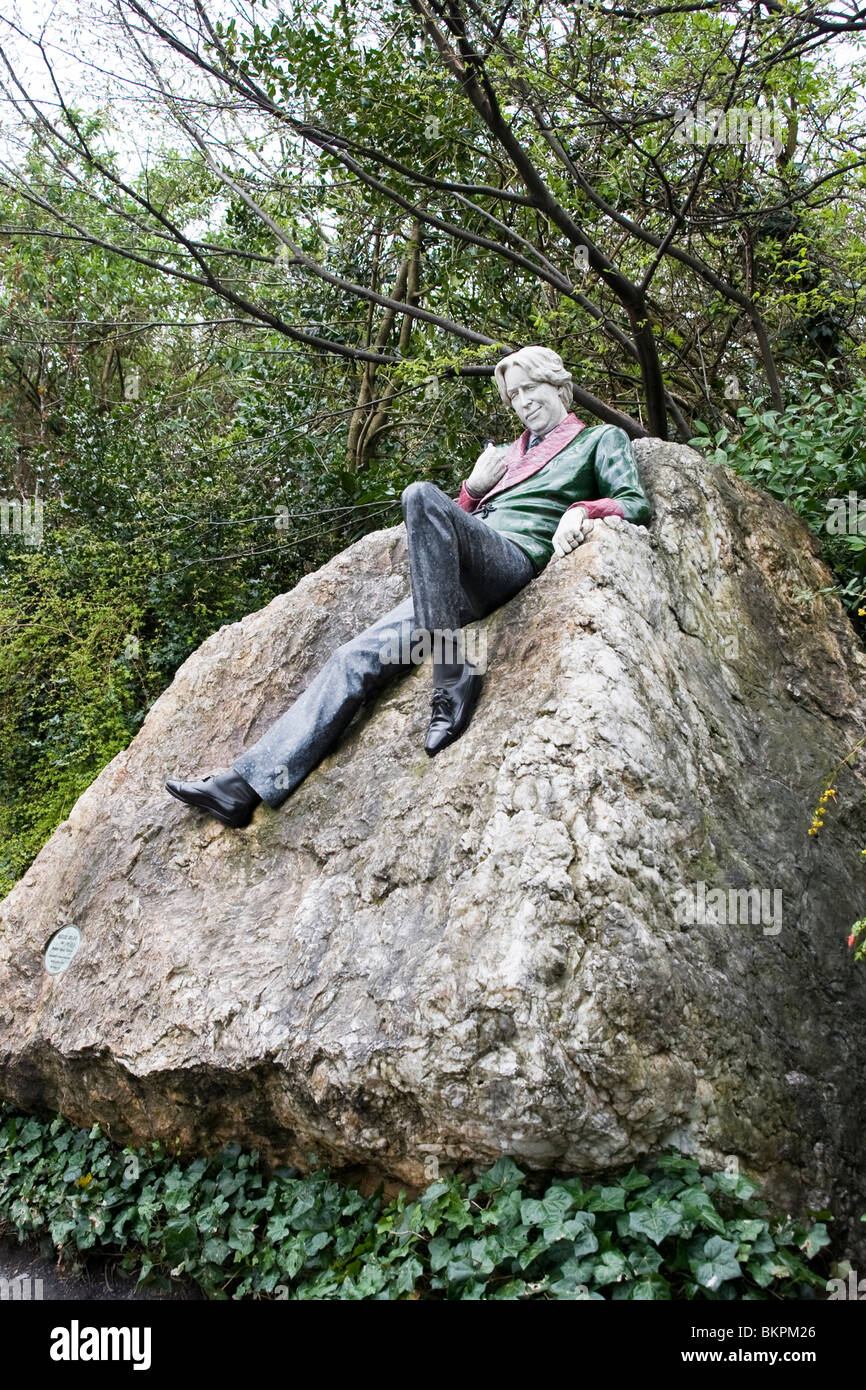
{"type": "Point", "coordinates": [536, 403]}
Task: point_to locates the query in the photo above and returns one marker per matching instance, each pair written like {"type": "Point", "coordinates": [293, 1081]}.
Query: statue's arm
{"type": "Point", "coordinates": [619, 486]}
{"type": "Point", "coordinates": [488, 470]}
{"type": "Point", "coordinates": [466, 500]}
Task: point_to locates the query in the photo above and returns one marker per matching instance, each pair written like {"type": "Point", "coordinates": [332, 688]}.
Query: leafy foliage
{"type": "Point", "coordinates": [811, 456]}
{"type": "Point", "coordinates": [671, 1232]}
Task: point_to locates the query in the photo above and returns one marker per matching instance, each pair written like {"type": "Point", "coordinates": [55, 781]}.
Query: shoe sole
{"type": "Point", "coordinates": [232, 822]}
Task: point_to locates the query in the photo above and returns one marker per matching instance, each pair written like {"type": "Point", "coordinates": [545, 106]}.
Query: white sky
{"type": "Point", "coordinates": [78, 40]}
{"type": "Point", "coordinates": [84, 55]}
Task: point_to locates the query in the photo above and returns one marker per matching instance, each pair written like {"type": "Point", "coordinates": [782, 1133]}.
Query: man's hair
{"type": "Point", "coordinates": [540, 364]}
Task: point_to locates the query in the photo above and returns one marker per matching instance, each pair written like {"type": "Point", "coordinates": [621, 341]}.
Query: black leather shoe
{"type": "Point", "coordinates": [452, 710]}
{"type": "Point", "coordinates": [224, 795]}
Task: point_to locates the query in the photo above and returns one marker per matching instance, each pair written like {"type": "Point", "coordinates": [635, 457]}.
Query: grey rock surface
{"type": "Point", "coordinates": [417, 961]}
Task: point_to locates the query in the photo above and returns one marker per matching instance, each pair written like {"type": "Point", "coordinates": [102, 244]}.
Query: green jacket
{"type": "Point", "coordinates": [599, 462]}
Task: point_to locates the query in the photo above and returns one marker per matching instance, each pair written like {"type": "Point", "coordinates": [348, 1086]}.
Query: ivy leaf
{"type": "Point", "coordinates": [610, 1268]}
{"type": "Point", "coordinates": [815, 1240]}
{"type": "Point", "coordinates": [608, 1199]}
{"type": "Point", "coordinates": [655, 1222]}
{"type": "Point", "coordinates": [410, 1272]}
{"type": "Point", "coordinates": [504, 1173]}
{"type": "Point", "coordinates": [653, 1288]}
{"type": "Point", "coordinates": [460, 1270]}
{"type": "Point", "coordinates": [216, 1251]}
{"type": "Point", "coordinates": [514, 1289]}
{"type": "Point", "coordinates": [735, 1184]}
{"type": "Point", "coordinates": [634, 1180]}
{"type": "Point", "coordinates": [718, 1265]}
{"type": "Point", "coordinates": [697, 1206]}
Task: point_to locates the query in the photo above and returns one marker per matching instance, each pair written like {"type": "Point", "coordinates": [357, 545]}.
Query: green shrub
{"type": "Point", "coordinates": [668, 1233]}
{"type": "Point", "coordinates": [807, 455]}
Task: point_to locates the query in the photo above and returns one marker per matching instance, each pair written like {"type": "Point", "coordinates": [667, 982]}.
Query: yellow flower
{"type": "Point", "coordinates": [86, 1180]}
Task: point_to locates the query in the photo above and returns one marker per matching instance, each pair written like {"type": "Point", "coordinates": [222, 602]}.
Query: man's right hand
{"type": "Point", "coordinates": [488, 469]}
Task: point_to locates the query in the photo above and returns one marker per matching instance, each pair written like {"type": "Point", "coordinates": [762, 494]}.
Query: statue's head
{"type": "Point", "coordinates": [535, 382]}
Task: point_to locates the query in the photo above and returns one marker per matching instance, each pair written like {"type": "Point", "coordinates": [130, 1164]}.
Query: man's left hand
{"type": "Point", "coordinates": [574, 527]}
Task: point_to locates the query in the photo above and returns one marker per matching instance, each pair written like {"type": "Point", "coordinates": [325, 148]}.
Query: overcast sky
{"type": "Point", "coordinates": [81, 42]}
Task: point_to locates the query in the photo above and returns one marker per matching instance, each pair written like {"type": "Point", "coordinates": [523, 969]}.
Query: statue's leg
{"type": "Point", "coordinates": [310, 727]}
{"type": "Point", "coordinates": [461, 568]}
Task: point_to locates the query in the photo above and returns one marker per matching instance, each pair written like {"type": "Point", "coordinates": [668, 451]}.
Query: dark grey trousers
{"type": "Point", "coordinates": [460, 568]}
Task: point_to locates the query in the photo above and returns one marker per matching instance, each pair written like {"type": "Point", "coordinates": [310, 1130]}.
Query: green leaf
{"type": "Point", "coordinates": [696, 1206]}
{"type": "Point", "coordinates": [439, 1253]}
{"type": "Point", "coordinates": [608, 1199]}
{"type": "Point", "coordinates": [634, 1180]}
{"type": "Point", "coordinates": [655, 1222]}
{"type": "Point", "coordinates": [816, 1240]}
{"type": "Point", "coordinates": [719, 1263]}
{"type": "Point", "coordinates": [215, 1251]}
{"type": "Point", "coordinates": [610, 1268]}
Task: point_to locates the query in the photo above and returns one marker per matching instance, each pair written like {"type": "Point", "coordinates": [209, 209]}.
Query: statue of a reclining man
{"type": "Point", "coordinates": [519, 508]}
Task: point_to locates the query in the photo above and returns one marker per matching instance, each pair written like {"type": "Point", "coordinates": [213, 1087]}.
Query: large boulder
{"type": "Point", "coordinates": [518, 947]}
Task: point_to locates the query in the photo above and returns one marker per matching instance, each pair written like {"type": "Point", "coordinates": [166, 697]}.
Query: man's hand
{"type": "Point", "coordinates": [488, 469]}
{"type": "Point", "coordinates": [574, 527]}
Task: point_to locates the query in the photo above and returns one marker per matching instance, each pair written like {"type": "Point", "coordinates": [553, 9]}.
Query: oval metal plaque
{"type": "Point", "coordinates": [61, 948]}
